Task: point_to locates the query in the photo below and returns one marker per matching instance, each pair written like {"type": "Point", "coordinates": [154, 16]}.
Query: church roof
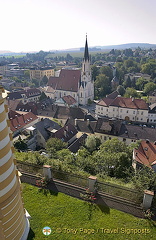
{"type": "Point", "coordinates": [86, 52]}
{"type": "Point", "coordinates": [67, 81]}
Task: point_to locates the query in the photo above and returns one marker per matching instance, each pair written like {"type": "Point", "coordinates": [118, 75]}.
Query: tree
{"type": "Point", "coordinates": [102, 85]}
{"type": "Point", "coordinates": [43, 96]}
{"type": "Point", "coordinates": [106, 70]}
{"type": "Point", "coordinates": [149, 87]}
{"type": "Point", "coordinates": [20, 145]}
{"type": "Point", "coordinates": [121, 90]}
{"type": "Point", "coordinates": [44, 81]}
{"type": "Point", "coordinates": [54, 144]}
{"type": "Point", "coordinates": [95, 72]}
{"type": "Point", "coordinates": [92, 143]}
{"type": "Point", "coordinates": [131, 92]}
{"type": "Point", "coordinates": [140, 82]}
{"type": "Point", "coordinates": [127, 82]}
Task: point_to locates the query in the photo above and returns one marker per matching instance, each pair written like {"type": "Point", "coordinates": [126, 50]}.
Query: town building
{"type": "Point", "coordinates": [39, 73]}
{"type": "Point", "coordinates": [27, 95]}
{"type": "Point", "coordinates": [14, 224]}
{"type": "Point", "coordinates": [129, 109]}
{"type": "Point", "coordinates": [152, 113]}
{"type": "Point", "coordinates": [78, 84]}
{"type": "Point", "coordinates": [145, 155]}
{"type": "Point", "coordinates": [152, 97]}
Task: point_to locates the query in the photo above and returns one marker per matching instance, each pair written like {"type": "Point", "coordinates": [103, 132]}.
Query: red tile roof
{"type": "Point", "coordinates": [67, 81]}
{"type": "Point", "coordinates": [124, 103]}
{"type": "Point", "coordinates": [22, 121]}
{"type": "Point", "coordinates": [146, 153]}
{"type": "Point", "coordinates": [69, 100]}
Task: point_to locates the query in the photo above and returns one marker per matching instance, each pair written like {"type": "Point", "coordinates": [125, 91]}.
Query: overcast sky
{"type": "Point", "coordinates": [34, 25]}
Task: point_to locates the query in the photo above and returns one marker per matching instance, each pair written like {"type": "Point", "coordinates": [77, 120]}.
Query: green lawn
{"type": "Point", "coordinates": [71, 218]}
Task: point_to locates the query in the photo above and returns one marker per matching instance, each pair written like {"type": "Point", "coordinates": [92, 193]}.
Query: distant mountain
{"type": "Point", "coordinates": [93, 48]}
{"type": "Point", "coordinates": [129, 45]}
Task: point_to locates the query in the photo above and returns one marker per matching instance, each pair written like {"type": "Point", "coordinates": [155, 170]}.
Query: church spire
{"type": "Point", "coordinates": [86, 52]}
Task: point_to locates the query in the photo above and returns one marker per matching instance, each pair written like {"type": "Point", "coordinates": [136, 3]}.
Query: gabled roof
{"type": "Point", "coordinates": [69, 100]}
{"type": "Point", "coordinates": [68, 80]}
{"type": "Point", "coordinates": [146, 153]}
{"type": "Point", "coordinates": [28, 107]}
{"type": "Point", "coordinates": [85, 126]}
{"type": "Point", "coordinates": [113, 95]}
{"type": "Point", "coordinates": [66, 133]}
{"type": "Point", "coordinates": [22, 121]}
{"type": "Point", "coordinates": [14, 95]}
{"type": "Point", "coordinates": [44, 125]}
{"type": "Point", "coordinates": [124, 103]}
{"type": "Point", "coordinates": [13, 114]}
{"type": "Point", "coordinates": [137, 132]}
{"type": "Point", "coordinates": [152, 108]}
{"type": "Point", "coordinates": [75, 146]}
{"type": "Point", "coordinates": [65, 112]}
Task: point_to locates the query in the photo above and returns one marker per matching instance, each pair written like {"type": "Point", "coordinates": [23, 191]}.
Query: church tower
{"type": "Point", "coordinates": [86, 88]}
{"type": "Point", "coordinates": [13, 222]}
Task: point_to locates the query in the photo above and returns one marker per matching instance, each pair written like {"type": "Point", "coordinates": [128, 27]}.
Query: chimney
{"type": "Point", "coordinates": [65, 133]}
{"type": "Point", "coordinates": [75, 122]}
{"type": "Point", "coordinates": [87, 122]}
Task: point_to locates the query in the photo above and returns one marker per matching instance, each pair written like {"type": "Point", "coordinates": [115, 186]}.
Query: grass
{"type": "Point", "coordinates": [71, 218]}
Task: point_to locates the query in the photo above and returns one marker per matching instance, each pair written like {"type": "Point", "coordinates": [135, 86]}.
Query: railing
{"type": "Point", "coordinates": [70, 178]}
{"type": "Point", "coordinates": [123, 192]}
{"type": "Point", "coordinates": [29, 168]}
{"type": "Point", "coordinates": [107, 188]}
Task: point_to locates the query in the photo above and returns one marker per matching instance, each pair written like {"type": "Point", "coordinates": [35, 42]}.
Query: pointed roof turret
{"type": "Point", "coordinates": [86, 52]}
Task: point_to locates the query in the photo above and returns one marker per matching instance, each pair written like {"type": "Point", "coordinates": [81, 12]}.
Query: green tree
{"type": "Point", "coordinates": [106, 70]}
{"type": "Point", "coordinates": [149, 87]}
{"type": "Point", "coordinates": [92, 143]}
{"type": "Point", "coordinates": [95, 72]}
{"type": "Point", "coordinates": [121, 90]}
{"type": "Point", "coordinates": [102, 85]}
{"type": "Point", "coordinates": [43, 96]}
{"type": "Point", "coordinates": [131, 92]}
{"type": "Point", "coordinates": [140, 82]}
{"type": "Point", "coordinates": [53, 145]}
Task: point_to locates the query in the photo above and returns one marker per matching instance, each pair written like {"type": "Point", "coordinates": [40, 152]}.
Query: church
{"type": "Point", "coordinates": [75, 83]}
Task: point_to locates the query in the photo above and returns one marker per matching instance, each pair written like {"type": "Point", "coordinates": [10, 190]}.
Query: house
{"type": "Point", "coordinates": [19, 123]}
{"type": "Point", "coordinates": [129, 109]}
{"type": "Point", "coordinates": [68, 101]}
{"type": "Point", "coordinates": [27, 95]}
{"type": "Point", "coordinates": [135, 76]}
{"type": "Point", "coordinates": [66, 134]}
{"type": "Point", "coordinates": [152, 97]}
{"type": "Point", "coordinates": [145, 155]}
{"type": "Point", "coordinates": [39, 73]}
{"type": "Point", "coordinates": [44, 130]}
{"type": "Point", "coordinates": [107, 129]}
{"type": "Point", "coordinates": [152, 113]}
{"type": "Point", "coordinates": [64, 113]}
{"type": "Point", "coordinates": [78, 84]}
{"type": "Point", "coordinates": [79, 142]}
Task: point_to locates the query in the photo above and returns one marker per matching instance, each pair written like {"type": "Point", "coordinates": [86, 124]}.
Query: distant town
{"type": "Point", "coordinates": [80, 119]}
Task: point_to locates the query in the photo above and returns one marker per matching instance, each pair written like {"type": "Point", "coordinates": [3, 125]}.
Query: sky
{"type": "Point", "coordinates": [34, 25]}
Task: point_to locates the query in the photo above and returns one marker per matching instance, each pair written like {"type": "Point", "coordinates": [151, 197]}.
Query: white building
{"type": "Point", "coordinates": [76, 83]}
{"type": "Point", "coordinates": [128, 109]}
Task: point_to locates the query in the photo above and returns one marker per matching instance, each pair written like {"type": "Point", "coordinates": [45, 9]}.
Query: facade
{"type": "Point", "coordinates": [152, 113]}
{"type": "Point", "coordinates": [152, 98]}
{"type": "Point", "coordinates": [128, 109]}
{"type": "Point", "coordinates": [78, 84]}
{"type": "Point", "coordinates": [39, 73]}
{"type": "Point", "coordinates": [13, 222]}
{"type": "Point", "coordinates": [28, 95]}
